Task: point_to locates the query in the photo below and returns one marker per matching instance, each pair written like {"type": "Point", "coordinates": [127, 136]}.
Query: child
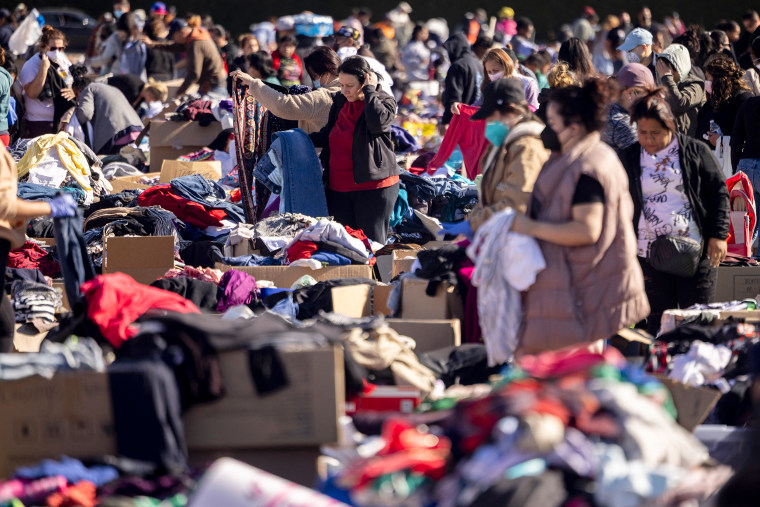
{"type": "Point", "coordinates": [153, 95]}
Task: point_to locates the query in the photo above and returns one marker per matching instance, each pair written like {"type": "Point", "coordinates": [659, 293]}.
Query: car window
{"type": "Point", "coordinates": [73, 21]}
{"type": "Point", "coordinates": [52, 18]}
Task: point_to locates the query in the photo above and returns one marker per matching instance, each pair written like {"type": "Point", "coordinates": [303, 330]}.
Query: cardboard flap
{"type": "Point", "coordinates": [429, 335]}
{"type": "Point", "coordinates": [737, 283]}
{"type": "Point", "coordinates": [130, 182]}
{"type": "Point", "coordinates": [171, 169]}
{"type": "Point", "coordinates": [359, 301]}
{"type": "Point", "coordinates": [177, 134]}
{"type": "Point", "coordinates": [403, 260]}
{"type": "Point", "coordinates": [144, 258]}
{"type": "Point", "coordinates": [693, 404]}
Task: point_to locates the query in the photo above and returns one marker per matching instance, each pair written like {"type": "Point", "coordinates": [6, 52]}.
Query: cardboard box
{"type": "Point", "coordinates": [429, 334]}
{"type": "Point", "coordinates": [174, 85]}
{"type": "Point", "coordinates": [416, 304]}
{"type": "Point", "coordinates": [403, 399]}
{"type": "Point", "coordinates": [359, 301]}
{"type": "Point", "coordinates": [171, 169]}
{"type": "Point", "coordinates": [285, 276]}
{"type": "Point", "coordinates": [172, 139]}
{"type": "Point", "coordinates": [45, 241]}
{"type": "Point", "coordinates": [384, 265]}
{"type": "Point", "coordinates": [403, 260]}
{"type": "Point", "coordinates": [144, 258]}
{"type": "Point", "coordinates": [69, 414]}
{"type": "Point", "coordinates": [295, 464]}
{"type": "Point", "coordinates": [693, 404]}
{"type": "Point", "coordinates": [304, 413]}
{"type": "Point", "coordinates": [737, 283]}
{"type": "Point", "coordinates": [130, 182]}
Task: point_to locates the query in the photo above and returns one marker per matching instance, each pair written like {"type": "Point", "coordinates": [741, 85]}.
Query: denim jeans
{"type": "Point", "coordinates": [72, 255]}
{"type": "Point", "coordinates": [751, 167]}
{"type": "Point", "coordinates": [198, 189]}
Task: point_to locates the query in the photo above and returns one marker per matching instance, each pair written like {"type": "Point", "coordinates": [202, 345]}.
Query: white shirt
{"type": "Point", "coordinates": [666, 206]}
{"type": "Point", "coordinates": [40, 110]}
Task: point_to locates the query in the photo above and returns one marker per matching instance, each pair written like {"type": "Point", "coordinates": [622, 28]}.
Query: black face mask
{"type": "Point", "coordinates": [550, 139]}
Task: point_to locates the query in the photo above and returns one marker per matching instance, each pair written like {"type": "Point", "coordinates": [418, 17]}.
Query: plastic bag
{"type": "Point", "coordinates": [27, 33]}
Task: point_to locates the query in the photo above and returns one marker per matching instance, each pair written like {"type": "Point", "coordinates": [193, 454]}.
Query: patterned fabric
{"type": "Point", "coordinates": [204, 274]}
{"type": "Point", "coordinates": [249, 132]}
{"type": "Point", "coordinates": [201, 155]}
{"type": "Point", "coordinates": [666, 209]}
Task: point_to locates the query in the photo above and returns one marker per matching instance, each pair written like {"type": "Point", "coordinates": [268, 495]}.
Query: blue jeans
{"type": "Point", "coordinates": [76, 266]}
{"type": "Point", "coordinates": [198, 189]}
{"type": "Point", "coordinates": [751, 167]}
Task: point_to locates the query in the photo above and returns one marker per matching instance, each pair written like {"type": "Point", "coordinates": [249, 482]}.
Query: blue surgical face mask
{"type": "Point", "coordinates": [496, 132]}
{"type": "Point", "coordinates": [117, 13]}
{"type": "Point", "coordinates": [317, 84]}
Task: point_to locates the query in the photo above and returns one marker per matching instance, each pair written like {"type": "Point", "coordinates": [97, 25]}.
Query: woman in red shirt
{"type": "Point", "coordinates": [357, 152]}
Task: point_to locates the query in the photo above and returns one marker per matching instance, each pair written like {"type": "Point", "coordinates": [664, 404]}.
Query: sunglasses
{"type": "Point", "coordinates": [62, 48]}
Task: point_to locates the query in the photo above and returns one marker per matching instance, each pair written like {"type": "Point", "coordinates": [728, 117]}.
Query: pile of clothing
{"type": "Point", "coordinates": [560, 428]}
{"type": "Point", "coordinates": [35, 303]}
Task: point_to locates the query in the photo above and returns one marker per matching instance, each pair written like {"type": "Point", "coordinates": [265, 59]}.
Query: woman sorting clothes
{"type": "Point", "coordinates": [580, 213]}
{"type": "Point", "coordinates": [47, 85]}
{"type": "Point", "coordinates": [357, 152]}
{"type": "Point", "coordinates": [13, 214]}
{"type": "Point", "coordinates": [312, 109]}
{"type": "Point", "coordinates": [677, 189]}
{"type": "Point", "coordinates": [514, 159]}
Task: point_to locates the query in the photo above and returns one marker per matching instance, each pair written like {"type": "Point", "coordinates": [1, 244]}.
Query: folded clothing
{"type": "Point", "coordinates": [31, 256]}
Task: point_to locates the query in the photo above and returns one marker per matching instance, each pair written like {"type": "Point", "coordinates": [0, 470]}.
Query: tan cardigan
{"type": "Point", "coordinates": [311, 109]}
{"type": "Point", "coordinates": [590, 292]}
{"type": "Point", "coordinates": [11, 228]}
{"type": "Point", "coordinates": [510, 172]}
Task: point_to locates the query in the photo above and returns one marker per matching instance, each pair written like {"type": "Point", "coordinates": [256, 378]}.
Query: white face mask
{"type": "Point", "coordinates": [632, 57]}
{"type": "Point", "coordinates": [494, 77]}
{"type": "Point", "coordinates": [53, 55]}
{"type": "Point", "coordinates": [708, 86]}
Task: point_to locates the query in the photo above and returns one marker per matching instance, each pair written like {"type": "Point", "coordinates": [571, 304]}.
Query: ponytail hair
{"type": "Point", "coordinates": [2, 57]}
{"type": "Point", "coordinates": [358, 67]}
{"type": "Point", "coordinates": [194, 21]}
{"type": "Point", "coordinates": [49, 34]}
{"type": "Point", "coordinates": [81, 78]}
{"type": "Point", "coordinates": [654, 106]}
{"type": "Point", "coordinates": [585, 104]}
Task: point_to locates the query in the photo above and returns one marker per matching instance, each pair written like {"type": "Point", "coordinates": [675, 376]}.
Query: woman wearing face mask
{"type": "Point", "coordinates": [512, 163]}
{"type": "Point", "coordinates": [580, 213]}
{"type": "Point", "coordinates": [312, 109]}
{"type": "Point", "coordinates": [726, 91]}
{"type": "Point", "coordinates": [685, 91]}
{"type": "Point", "coordinates": [496, 65]}
{"type": "Point", "coordinates": [47, 85]}
{"type": "Point", "coordinates": [677, 189]}
{"type": "Point", "coordinates": [635, 81]}
{"type": "Point", "coordinates": [357, 152]}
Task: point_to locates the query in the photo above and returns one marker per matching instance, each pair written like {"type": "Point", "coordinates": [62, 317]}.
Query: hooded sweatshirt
{"type": "Point", "coordinates": [464, 77]}
{"type": "Point", "coordinates": [688, 95]}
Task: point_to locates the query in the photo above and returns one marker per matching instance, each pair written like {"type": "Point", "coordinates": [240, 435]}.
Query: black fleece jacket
{"type": "Point", "coordinates": [703, 183]}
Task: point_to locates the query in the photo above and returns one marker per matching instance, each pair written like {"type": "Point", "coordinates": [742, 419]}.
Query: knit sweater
{"type": "Point", "coordinates": [311, 110]}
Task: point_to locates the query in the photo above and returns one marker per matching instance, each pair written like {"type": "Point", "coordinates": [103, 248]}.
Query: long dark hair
{"type": "Point", "coordinates": [654, 106]}
{"type": "Point", "coordinates": [358, 67]}
{"type": "Point", "coordinates": [323, 60]}
{"type": "Point", "coordinates": [262, 62]}
{"type": "Point", "coordinates": [81, 79]}
{"type": "Point", "coordinates": [575, 53]}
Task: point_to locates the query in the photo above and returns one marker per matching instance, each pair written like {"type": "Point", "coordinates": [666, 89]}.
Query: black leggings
{"type": "Point", "coordinates": [667, 292]}
{"type": "Point", "coordinates": [7, 315]}
{"type": "Point", "coordinates": [368, 210]}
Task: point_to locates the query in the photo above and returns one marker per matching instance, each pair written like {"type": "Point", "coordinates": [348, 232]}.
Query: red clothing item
{"type": "Point", "coordinates": [31, 256]}
{"type": "Point", "coordinates": [6, 139]}
{"type": "Point", "coordinates": [341, 152]}
{"type": "Point", "coordinates": [359, 234]}
{"type": "Point", "coordinates": [81, 494]}
{"type": "Point", "coordinates": [187, 211]}
{"type": "Point", "coordinates": [301, 250]}
{"type": "Point", "coordinates": [115, 301]}
{"type": "Point", "coordinates": [471, 138]}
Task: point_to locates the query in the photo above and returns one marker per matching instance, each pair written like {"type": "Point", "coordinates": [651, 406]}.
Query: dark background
{"type": "Point", "coordinates": [237, 15]}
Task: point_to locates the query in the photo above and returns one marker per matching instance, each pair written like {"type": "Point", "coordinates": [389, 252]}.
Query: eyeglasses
{"type": "Point", "coordinates": [62, 48]}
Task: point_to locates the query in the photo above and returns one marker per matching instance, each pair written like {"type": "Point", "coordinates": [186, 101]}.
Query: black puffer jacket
{"type": "Point", "coordinates": [703, 183]}
{"type": "Point", "coordinates": [373, 155]}
{"type": "Point", "coordinates": [464, 77]}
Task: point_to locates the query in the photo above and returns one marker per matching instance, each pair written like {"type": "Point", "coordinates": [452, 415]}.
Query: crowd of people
{"type": "Point", "coordinates": [614, 134]}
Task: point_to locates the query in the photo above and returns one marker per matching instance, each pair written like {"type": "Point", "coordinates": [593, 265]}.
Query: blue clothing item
{"type": "Point", "coordinates": [250, 260]}
{"type": "Point", "coordinates": [12, 116]}
{"type": "Point", "coordinates": [72, 469]}
{"type": "Point", "coordinates": [458, 228]}
{"type": "Point", "coordinates": [403, 141]}
{"type": "Point", "coordinates": [198, 189]}
{"type": "Point", "coordinates": [331, 259]}
{"type": "Point", "coordinates": [751, 167]}
{"type": "Point", "coordinates": [71, 250]}
{"type": "Point", "coordinates": [36, 192]}
{"type": "Point", "coordinates": [302, 188]}
{"type": "Point", "coordinates": [418, 186]}
{"type": "Point", "coordinates": [400, 209]}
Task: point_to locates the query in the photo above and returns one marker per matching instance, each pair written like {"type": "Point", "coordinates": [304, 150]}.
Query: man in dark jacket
{"type": "Point", "coordinates": [464, 77]}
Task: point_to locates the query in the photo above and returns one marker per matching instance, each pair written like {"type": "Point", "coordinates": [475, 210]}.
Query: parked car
{"type": "Point", "coordinates": [75, 24]}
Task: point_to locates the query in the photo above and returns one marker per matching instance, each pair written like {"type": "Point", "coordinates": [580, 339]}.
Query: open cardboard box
{"type": "Point", "coordinates": [172, 139]}
{"type": "Point", "coordinates": [303, 413]}
{"type": "Point", "coordinates": [171, 169]}
{"type": "Point", "coordinates": [285, 276]}
{"type": "Point", "coordinates": [144, 258]}
{"type": "Point", "coordinates": [429, 335]}
{"type": "Point", "coordinates": [693, 404]}
{"type": "Point", "coordinates": [69, 414]}
{"type": "Point", "coordinates": [131, 182]}
{"type": "Point", "coordinates": [359, 301]}
{"type": "Point", "coordinates": [737, 283]}
{"type": "Point", "coordinates": [416, 304]}
{"type": "Point", "coordinates": [403, 260]}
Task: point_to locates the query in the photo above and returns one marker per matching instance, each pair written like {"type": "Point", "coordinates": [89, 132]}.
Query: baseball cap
{"type": "Point", "coordinates": [158, 8]}
{"type": "Point", "coordinates": [635, 74]}
{"type": "Point", "coordinates": [497, 93]}
{"type": "Point", "coordinates": [636, 38]}
{"type": "Point", "coordinates": [589, 11]}
{"type": "Point", "coordinates": [174, 26]}
{"type": "Point", "coordinates": [348, 32]}
{"type": "Point", "coordinates": [5, 14]}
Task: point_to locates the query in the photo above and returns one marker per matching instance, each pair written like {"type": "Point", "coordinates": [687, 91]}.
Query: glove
{"type": "Point", "coordinates": [458, 228]}
{"type": "Point", "coordinates": [63, 206]}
